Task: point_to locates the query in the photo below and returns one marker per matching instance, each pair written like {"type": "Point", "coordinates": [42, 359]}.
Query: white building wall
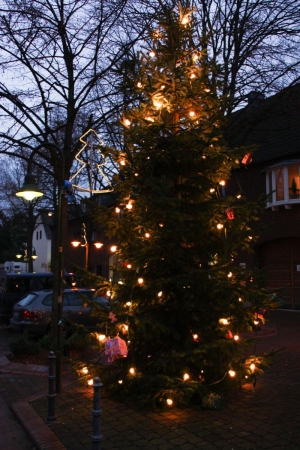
{"type": "Point", "coordinates": [42, 246]}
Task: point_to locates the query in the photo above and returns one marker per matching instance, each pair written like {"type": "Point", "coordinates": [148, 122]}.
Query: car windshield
{"type": "Point", "coordinates": [27, 300]}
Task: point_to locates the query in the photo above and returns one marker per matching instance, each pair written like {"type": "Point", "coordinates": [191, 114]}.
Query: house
{"type": "Point", "coordinates": [272, 125]}
{"type": "Point", "coordinates": [42, 241]}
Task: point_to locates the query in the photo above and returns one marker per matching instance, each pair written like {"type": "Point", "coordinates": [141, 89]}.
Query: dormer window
{"type": "Point", "coordinates": [283, 184]}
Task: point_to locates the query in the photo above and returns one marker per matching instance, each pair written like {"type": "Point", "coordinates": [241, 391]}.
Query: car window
{"type": "Point", "coordinates": [103, 301]}
{"type": "Point", "coordinates": [27, 300]}
{"type": "Point", "coordinates": [74, 299]}
{"type": "Point", "coordinates": [48, 300]}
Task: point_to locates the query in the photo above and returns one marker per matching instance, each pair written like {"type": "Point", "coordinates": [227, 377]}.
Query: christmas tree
{"type": "Point", "coordinates": [178, 299]}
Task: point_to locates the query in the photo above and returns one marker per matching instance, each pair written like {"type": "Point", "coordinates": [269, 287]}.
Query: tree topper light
{"type": "Point", "coordinates": [94, 161]}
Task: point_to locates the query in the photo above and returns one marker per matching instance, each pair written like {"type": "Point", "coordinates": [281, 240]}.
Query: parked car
{"type": "Point", "coordinates": [14, 286]}
{"type": "Point", "coordinates": [33, 312]}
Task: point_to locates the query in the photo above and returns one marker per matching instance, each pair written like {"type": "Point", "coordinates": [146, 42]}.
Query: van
{"type": "Point", "coordinates": [14, 286]}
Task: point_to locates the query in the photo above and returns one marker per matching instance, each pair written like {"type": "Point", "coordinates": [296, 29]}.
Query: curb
{"type": "Point", "coordinates": [39, 432]}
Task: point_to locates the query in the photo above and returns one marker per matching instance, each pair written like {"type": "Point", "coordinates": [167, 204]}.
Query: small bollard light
{"type": "Point", "coordinates": [97, 411]}
{"type": "Point", "coordinates": [51, 395]}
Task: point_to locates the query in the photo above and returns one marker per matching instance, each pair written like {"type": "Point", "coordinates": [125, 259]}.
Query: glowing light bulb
{"type": "Point", "coordinates": [220, 226]}
{"type": "Point", "coordinates": [129, 206]}
{"type": "Point", "coordinates": [101, 337]}
{"type": "Point", "coordinates": [231, 373]}
{"type": "Point", "coordinates": [222, 183]}
{"type": "Point", "coordinates": [149, 118]}
{"type": "Point", "coordinates": [193, 75]}
{"type": "Point", "coordinates": [127, 122]}
{"type": "Point", "coordinates": [129, 266]}
{"type": "Point", "coordinates": [113, 248]}
{"type": "Point", "coordinates": [128, 304]}
{"type": "Point", "coordinates": [169, 402]}
{"type": "Point", "coordinates": [212, 190]}
{"type": "Point", "coordinates": [132, 370]}
{"type": "Point", "coordinates": [91, 382]}
{"type": "Point", "coordinates": [85, 370]}
{"type": "Point", "coordinates": [108, 293]}
{"type": "Point", "coordinates": [120, 381]}
{"type": "Point", "coordinates": [186, 376]}
{"type": "Point", "coordinates": [139, 85]}
{"type": "Point", "coordinates": [147, 235]}
{"type": "Point", "coordinates": [223, 321]}
{"type": "Point", "coordinates": [152, 53]}
{"type": "Point", "coordinates": [252, 367]}
{"type": "Point", "coordinates": [159, 294]}
{"type": "Point", "coordinates": [195, 337]}
{"type": "Point", "coordinates": [117, 210]}
{"type": "Point", "coordinates": [240, 300]}
{"type": "Point", "coordinates": [192, 113]}
{"type": "Point", "coordinates": [140, 280]}
{"type": "Point", "coordinates": [236, 337]}
{"type": "Point", "coordinates": [122, 162]}
{"type": "Point", "coordinates": [230, 274]}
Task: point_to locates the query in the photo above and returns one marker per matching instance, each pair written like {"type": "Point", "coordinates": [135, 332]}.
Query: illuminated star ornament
{"type": "Point", "coordinates": [91, 176]}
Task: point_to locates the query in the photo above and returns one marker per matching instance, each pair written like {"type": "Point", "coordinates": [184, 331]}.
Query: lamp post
{"type": "Point", "coordinates": [26, 257]}
{"type": "Point", "coordinates": [82, 240]}
{"type": "Point", "coordinates": [29, 191]}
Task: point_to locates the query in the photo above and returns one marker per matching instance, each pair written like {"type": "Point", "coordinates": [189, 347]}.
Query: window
{"type": "Point", "coordinates": [283, 184]}
{"type": "Point", "coordinates": [40, 234]}
{"type": "Point", "coordinates": [37, 235]}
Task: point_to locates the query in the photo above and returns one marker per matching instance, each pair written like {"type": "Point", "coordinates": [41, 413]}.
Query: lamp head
{"type": "Point", "coordinates": [29, 190]}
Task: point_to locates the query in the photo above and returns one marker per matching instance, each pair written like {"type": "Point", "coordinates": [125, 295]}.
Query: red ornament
{"type": "Point", "coordinates": [229, 335]}
{"type": "Point", "coordinates": [247, 159]}
{"type": "Point", "coordinates": [230, 213]}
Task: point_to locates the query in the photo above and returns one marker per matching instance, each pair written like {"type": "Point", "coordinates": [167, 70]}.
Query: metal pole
{"type": "Point", "coordinates": [58, 275]}
{"type": "Point", "coordinates": [97, 411]}
{"type": "Point", "coordinates": [51, 395]}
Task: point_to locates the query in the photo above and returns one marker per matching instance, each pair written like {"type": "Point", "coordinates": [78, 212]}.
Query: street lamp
{"type": "Point", "coordinates": [29, 191]}
{"type": "Point", "coordinates": [82, 241]}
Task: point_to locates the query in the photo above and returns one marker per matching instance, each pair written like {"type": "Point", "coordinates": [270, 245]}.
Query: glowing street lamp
{"type": "Point", "coordinates": [29, 191]}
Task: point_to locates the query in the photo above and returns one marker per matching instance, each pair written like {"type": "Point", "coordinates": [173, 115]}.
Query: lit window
{"type": "Point", "coordinates": [283, 184]}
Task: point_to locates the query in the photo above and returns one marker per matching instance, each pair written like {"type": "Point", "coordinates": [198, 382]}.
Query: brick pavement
{"type": "Point", "coordinates": [264, 417]}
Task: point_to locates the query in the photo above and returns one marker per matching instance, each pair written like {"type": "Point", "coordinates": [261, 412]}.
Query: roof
{"type": "Point", "coordinates": [271, 124]}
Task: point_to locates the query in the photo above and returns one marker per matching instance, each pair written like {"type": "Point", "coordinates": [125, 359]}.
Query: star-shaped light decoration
{"type": "Point", "coordinates": [94, 161]}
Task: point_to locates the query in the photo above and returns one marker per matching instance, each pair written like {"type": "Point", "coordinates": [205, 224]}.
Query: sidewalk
{"type": "Point", "coordinates": [264, 417]}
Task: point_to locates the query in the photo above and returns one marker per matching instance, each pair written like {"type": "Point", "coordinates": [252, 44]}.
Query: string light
{"type": "Point", "coordinates": [139, 85]}
{"type": "Point", "coordinates": [192, 113]}
{"type": "Point", "coordinates": [231, 373]}
{"type": "Point", "coordinates": [117, 210]}
{"type": "Point", "coordinates": [224, 321]}
{"type": "Point", "coordinates": [129, 206]}
{"type": "Point", "coordinates": [132, 370]}
{"type": "Point", "coordinates": [152, 53]}
{"type": "Point", "coordinates": [85, 370]}
{"type": "Point", "coordinates": [236, 337]}
{"type": "Point", "coordinates": [159, 294]}
{"type": "Point", "coordinates": [222, 183]}
{"type": "Point", "coordinates": [195, 337]}
{"type": "Point", "coordinates": [122, 162]}
{"type": "Point", "coordinates": [230, 274]}
{"type": "Point", "coordinates": [140, 280]}
{"type": "Point", "coordinates": [169, 402]}
{"type": "Point", "coordinates": [120, 381]}
{"type": "Point", "coordinates": [252, 367]}
{"type": "Point", "coordinates": [101, 337]}
{"type": "Point", "coordinates": [128, 304]}
{"type": "Point", "coordinates": [220, 226]}
{"type": "Point", "coordinates": [127, 122]}
{"type": "Point", "coordinates": [129, 266]}
{"type": "Point", "coordinates": [147, 235]}
{"type": "Point", "coordinates": [91, 382]}
{"type": "Point", "coordinates": [186, 376]}
{"type": "Point", "coordinates": [113, 248]}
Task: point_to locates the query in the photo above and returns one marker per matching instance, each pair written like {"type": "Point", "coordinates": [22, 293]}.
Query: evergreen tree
{"type": "Point", "coordinates": [178, 299]}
